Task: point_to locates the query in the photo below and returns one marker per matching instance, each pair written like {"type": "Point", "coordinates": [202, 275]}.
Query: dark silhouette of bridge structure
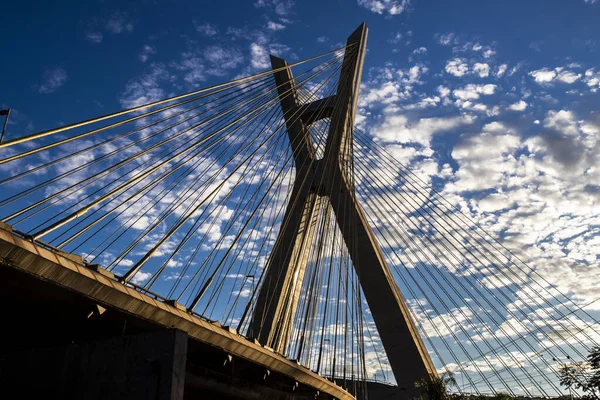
{"type": "Point", "coordinates": [246, 240]}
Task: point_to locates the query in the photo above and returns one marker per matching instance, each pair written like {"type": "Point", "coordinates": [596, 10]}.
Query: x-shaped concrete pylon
{"type": "Point", "coordinates": [326, 180]}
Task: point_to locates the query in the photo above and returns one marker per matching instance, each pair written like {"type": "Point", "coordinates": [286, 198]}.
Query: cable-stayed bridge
{"type": "Point", "coordinates": [294, 256]}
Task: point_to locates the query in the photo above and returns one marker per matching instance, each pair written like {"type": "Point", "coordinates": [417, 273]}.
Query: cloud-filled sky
{"type": "Point", "coordinates": [496, 103]}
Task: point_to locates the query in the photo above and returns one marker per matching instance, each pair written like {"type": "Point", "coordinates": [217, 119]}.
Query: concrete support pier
{"type": "Point", "coordinates": [144, 366]}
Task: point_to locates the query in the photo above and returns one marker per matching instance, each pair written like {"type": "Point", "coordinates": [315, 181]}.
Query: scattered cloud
{"type": "Point", "coordinates": [53, 79]}
{"type": "Point", "coordinates": [146, 88]}
{"type": "Point", "coordinates": [147, 51]}
{"type": "Point", "coordinates": [401, 38]}
{"type": "Point", "coordinates": [118, 22]}
{"type": "Point", "coordinates": [481, 69]}
{"type": "Point", "coordinates": [472, 91]}
{"type": "Point", "coordinates": [501, 70]}
{"type": "Point", "coordinates": [399, 129]}
{"type": "Point", "coordinates": [568, 77]}
{"type": "Point", "coordinates": [543, 75]}
{"type": "Point", "coordinates": [391, 7]}
{"type": "Point", "coordinates": [546, 75]}
{"type": "Point", "coordinates": [282, 8]}
{"type": "Point", "coordinates": [259, 54]}
{"type": "Point", "coordinates": [275, 26]}
{"type": "Point", "coordinates": [447, 39]}
{"type": "Point", "coordinates": [457, 67]}
{"type": "Point", "coordinates": [94, 37]}
{"type": "Point", "coordinates": [518, 106]}
{"type": "Point", "coordinates": [141, 277]}
{"type": "Point", "coordinates": [222, 58]}
{"type": "Point", "coordinates": [206, 28]}
{"type": "Point", "coordinates": [460, 67]}
{"type": "Point", "coordinates": [592, 79]}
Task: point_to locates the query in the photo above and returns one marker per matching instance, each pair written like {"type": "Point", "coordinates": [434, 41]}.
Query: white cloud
{"type": "Point", "coordinates": [443, 91]}
{"type": "Point", "coordinates": [322, 39]}
{"type": "Point", "coordinates": [206, 29]}
{"type": "Point", "coordinates": [472, 91]}
{"type": "Point", "coordinates": [118, 23]}
{"type": "Point", "coordinates": [563, 121]}
{"type": "Point", "coordinates": [501, 70]}
{"type": "Point", "coordinates": [592, 79]}
{"type": "Point", "coordinates": [413, 75]}
{"type": "Point", "coordinates": [147, 51]}
{"type": "Point", "coordinates": [518, 106]}
{"type": "Point", "coordinates": [281, 7]}
{"type": "Point", "coordinates": [391, 85]}
{"type": "Point", "coordinates": [274, 26]}
{"type": "Point", "coordinates": [222, 58]}
{"type": "Point", "coordinates": [192, 65]}
{"type": "Point", "coordinates": [482, 158]}
{"type": "Point", "coordinates": [140, 277]}
{"type": "Point", "coordinates": [53, 79]}
{"type": "Point", "coordinates": [259, 53]}
{"type": "Point", "coordinates": [488, 53]}
{"type": "Point", "coordinates": [398, 128]}
{"type": "Point", "coordinates": [482, 69]}
{"type": "Point", "coordinates": [391, 7]}
{"type": "Point", "coordinates": [146, 88]}
{"type": "Point", "coordinates": [447, 39]}
{"type": "Point", "coordinates": [396, 39]}
{"type": "Point", "coordinates": [94, 37]}
{"type": "Point", "coordinates": [568, 77]}
{"type": "Point", "coordinates": [457, 67]}
{"type": "Point", "coordinates": [545, 75]}
{"type": "Point", "coordinates": [259, 56]}
{"type": "Point", "coordinates": [495, 202]}
{"type": "Point", "coordinates": [420, 50]}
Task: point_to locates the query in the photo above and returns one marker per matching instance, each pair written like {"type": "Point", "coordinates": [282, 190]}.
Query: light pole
{"type": "Point", "coordinates": [7, 114]}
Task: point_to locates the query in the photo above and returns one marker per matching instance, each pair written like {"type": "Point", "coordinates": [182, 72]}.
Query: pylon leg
{"type": "Point", "coordinates": [401, 340]}
{"type": "Point", "coordinates": [278, 298]}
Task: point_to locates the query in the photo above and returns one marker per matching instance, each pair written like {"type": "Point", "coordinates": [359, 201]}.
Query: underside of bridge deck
{"type": "Point", "coordinates": [51, 334]}
{"type": "Point", "coordinates": [59, 342]}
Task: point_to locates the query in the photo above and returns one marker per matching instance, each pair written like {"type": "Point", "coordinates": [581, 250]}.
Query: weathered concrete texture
{"type": "Point", "coordinates": [147, 366]}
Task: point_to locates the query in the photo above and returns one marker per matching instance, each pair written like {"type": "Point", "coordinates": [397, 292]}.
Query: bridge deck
{"type": "Point", "coordinates": [65, 272]}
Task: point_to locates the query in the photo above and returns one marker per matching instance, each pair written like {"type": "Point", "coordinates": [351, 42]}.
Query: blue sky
{"type": "Point", "coordinates": [93, 49]}
{"type": "Point", "coordinates": [494, 102]}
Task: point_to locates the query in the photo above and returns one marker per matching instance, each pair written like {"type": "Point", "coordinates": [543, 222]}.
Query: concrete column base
{"type": "Point", "coordinates": [146, 366]}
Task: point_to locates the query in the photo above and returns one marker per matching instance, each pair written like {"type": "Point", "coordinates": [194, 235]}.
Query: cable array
{"type": "Point", "coordinates": [486, 315]}
{"type": "Point", "coordinates": [184, 199]}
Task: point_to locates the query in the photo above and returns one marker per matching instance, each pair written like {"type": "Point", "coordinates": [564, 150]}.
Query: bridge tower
{"type": "Point", "coordinates": [319, 179]}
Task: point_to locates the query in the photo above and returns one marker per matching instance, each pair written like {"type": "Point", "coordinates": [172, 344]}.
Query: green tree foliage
{"type": "Point", "coordinates": [583, 375]}
{"type": "Point", "coordinates": [501, 396]}
{"type": "Point", "coordinates": [436, 387]}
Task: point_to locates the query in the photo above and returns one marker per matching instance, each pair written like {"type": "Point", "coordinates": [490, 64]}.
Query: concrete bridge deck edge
{"type": "Point", "coordinates": [46, 265]}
